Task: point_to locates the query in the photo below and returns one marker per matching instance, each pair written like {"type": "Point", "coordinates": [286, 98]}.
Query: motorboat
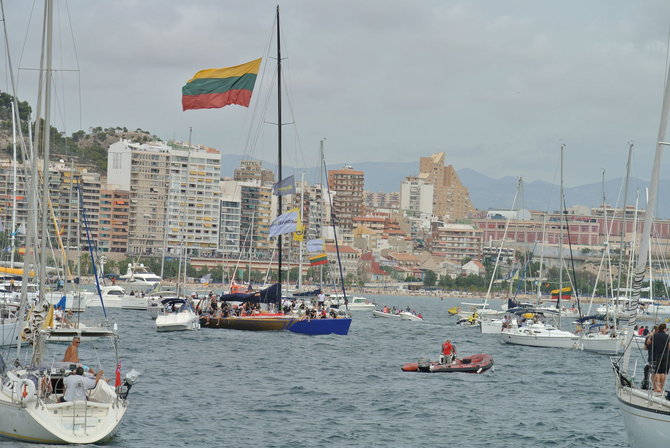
{"type": "Point", "coordinates": [386, 313]}
{"type": "Point", "coordinates": [407, 315]}
{"type": "Point", "coordinates": [354, 303]}
{"type": "Point", "coordinates": [140, 275]}
{"type": "Point", "coordinates": [176, 314]}
{"type": "Point", "coordinates": [478, 363]}
{"type": "Point", "coordinates": [112, 296]}
{"type": "Point", "coordinates": [496, 325]}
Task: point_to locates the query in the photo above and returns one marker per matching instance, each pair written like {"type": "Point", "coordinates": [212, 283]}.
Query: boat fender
{"type": "Point", "coordinates": [26, 334]}
{"type": "Point", "coordinates": [479, 370]}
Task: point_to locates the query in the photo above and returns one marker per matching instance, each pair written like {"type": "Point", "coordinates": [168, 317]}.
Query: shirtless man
{"type": "Point", "coordinates": [72, 352]}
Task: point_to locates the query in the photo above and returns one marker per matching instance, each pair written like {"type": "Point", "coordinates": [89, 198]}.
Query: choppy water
{"type": "Point", "coordinates": [214, 388]}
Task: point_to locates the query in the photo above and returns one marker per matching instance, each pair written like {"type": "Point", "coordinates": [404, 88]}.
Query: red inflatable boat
{"type": "Point", "coordinates": [479, 363]}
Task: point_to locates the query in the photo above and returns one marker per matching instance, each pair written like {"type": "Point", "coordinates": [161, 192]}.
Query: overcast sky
{"type": "Point", "coordinates": [497, 85]}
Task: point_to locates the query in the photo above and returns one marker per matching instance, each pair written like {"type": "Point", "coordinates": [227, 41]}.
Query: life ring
{"type": "Point", "coordinates": [24, 389]}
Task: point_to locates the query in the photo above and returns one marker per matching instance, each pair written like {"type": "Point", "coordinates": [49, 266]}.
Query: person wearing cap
{"type": "Point", "coordinates": [76, 385]}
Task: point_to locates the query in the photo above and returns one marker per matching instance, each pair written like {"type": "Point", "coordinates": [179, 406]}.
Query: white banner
{"type": "Point", "coordinates": [286, 223]}
{"type": "Point", "coordinates": [315, 246]}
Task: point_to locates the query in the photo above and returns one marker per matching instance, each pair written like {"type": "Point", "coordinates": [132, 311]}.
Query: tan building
{"type": "Point", "coordinates": [113, 220]}
{"type": "Point", "coordinates": [348, 201]}
{"type": "Point", "coordinates": [174, 196]}
{"type": "Point", "coordinates": [450, 197]}
{"type": "Point", "coordinates": [252, 170]}
{"type": "Point", "coordinates": [456, 241]}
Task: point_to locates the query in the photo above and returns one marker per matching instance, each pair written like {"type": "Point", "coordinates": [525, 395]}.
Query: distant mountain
{"type": "Point", "coordinates": [486, 192]}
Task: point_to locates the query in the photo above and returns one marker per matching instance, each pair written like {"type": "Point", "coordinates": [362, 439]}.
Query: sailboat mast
{"type": "Point", "coordinates": [302, 207]}
{"type": "Point", "coordinates": [641, 263]}
{"type": "Point", "coordinates": [560, 246]}
{"type": "Point", "coordinates": [46, 150]}
{"type": "Point", "coordinates": [279, 160]}
{"type": "Point", "coordinates": [622, 244]}
{"type": "Point", "coordinates": [13, 231]}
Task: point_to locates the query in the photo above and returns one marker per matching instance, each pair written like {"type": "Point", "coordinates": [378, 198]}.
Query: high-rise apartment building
{"type": "Point", "coordinates": [256, 213]}
{"type": "Point", "coordinates": [450, 197]}
{"type": "Point", "coordinates": [113, 220]}
{"type": "Point", "coordinates": [416, 196]}
{"type": "Point", "coordinates": [229, 226]}
{"type": "Point", "coordinates": [174, 196]}
{"type": "Point", "coordinates": [348, 200]}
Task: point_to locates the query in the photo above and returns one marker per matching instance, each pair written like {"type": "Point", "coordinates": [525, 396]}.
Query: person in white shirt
{"type": "Point", "coordinates": [77, 384]}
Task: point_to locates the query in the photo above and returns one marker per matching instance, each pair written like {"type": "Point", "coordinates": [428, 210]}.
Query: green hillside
{"type": "Point", "coordinates": [83, 147]}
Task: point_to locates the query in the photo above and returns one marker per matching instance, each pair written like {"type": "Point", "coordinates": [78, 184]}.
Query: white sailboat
{"type": "Point", "coordinates": [646, 414]}
{"type": "Point", "coordinates": [30, 407]}
{"type": "Point", "coordinates": [537, 333]}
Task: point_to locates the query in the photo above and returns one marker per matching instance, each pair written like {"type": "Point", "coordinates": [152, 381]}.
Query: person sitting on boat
{"type": "Point", "coordinates": [72, 352]}
{"type": "Point", "coordinates": [448, 353]}
{"type": "Point", "coordinates": [76, 385]}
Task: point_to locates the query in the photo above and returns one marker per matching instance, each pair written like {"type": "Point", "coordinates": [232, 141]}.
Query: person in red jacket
{"type": "Point", "coordinates": [448, 352]}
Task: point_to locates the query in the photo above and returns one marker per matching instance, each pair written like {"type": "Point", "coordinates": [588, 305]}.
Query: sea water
{"type": "Point", "coordinates": [226, 388]}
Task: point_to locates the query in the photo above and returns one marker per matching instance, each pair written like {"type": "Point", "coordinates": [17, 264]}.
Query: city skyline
{"type": "Point", "coordinates": [497, 87]}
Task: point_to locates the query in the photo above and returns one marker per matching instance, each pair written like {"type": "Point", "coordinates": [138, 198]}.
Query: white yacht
{"type": "Point", "coordinates": [177, 314]}
{"type": "Point", "coordinates": [539, 334]}
{"type": "Point", "coordinates": [139, 275]}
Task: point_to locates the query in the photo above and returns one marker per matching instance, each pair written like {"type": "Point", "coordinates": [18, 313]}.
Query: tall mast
{"type": "Point", "coordinates": [279, 161]}
{"type": "Point", "coordinates": [623, 221]}
{"type": "Point", "coordinates": [13, 231]}
{"type": "Point", "coordinates": [560, 246]}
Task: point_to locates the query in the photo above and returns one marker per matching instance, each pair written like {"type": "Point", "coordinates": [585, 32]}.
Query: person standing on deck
{"type": "Point", "coordinates": [448, 353]}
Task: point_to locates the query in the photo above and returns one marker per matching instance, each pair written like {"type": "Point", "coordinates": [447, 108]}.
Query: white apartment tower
{"type": "Point", "coordinates": [416, 195]}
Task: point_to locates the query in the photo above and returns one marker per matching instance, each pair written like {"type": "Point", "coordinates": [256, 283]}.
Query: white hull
{"type": "Point", "coordinates": [83, 331]}
{"type": "Point", "coordinates": [181, 321]}
{"type": "Point", "coordinates": [409, 316]}
{"type": "Point", "coordinates": [494, 326]}
{"type": "Point", "coordinates": [491, 326]}
{"type": "Point", "coordinates": [658, 310]}
{"type": "Point", "coordinates": [647, 418]}
{"type": "Point", "coordinates": [539, 336]}
{"type": "Point", "coordinates": [9, 332]}
{"type": "Point", "coordinates": [134, 303]}
{"type": "Point", "coordinates": [361, 306]}
{"type": "Point", "coordinates": [602, 343]}
{"type": "Point", "coordinates": [45, 421]}
{"type": "Point", "coordinates": [377, 313]}
{"type": "Point", "coordinates": [154, 311]}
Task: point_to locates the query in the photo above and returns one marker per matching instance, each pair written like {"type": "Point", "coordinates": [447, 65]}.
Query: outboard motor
{"type": "Point", "coordinates": [424, 365]}
{"type": "Point", "coordinates": [131, 378]}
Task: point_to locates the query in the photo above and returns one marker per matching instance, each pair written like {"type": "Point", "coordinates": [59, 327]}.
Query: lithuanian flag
{"type": "Point", "coordinates": [219, 87]}
{"type": "Point", "coordinates": [318, 259]}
